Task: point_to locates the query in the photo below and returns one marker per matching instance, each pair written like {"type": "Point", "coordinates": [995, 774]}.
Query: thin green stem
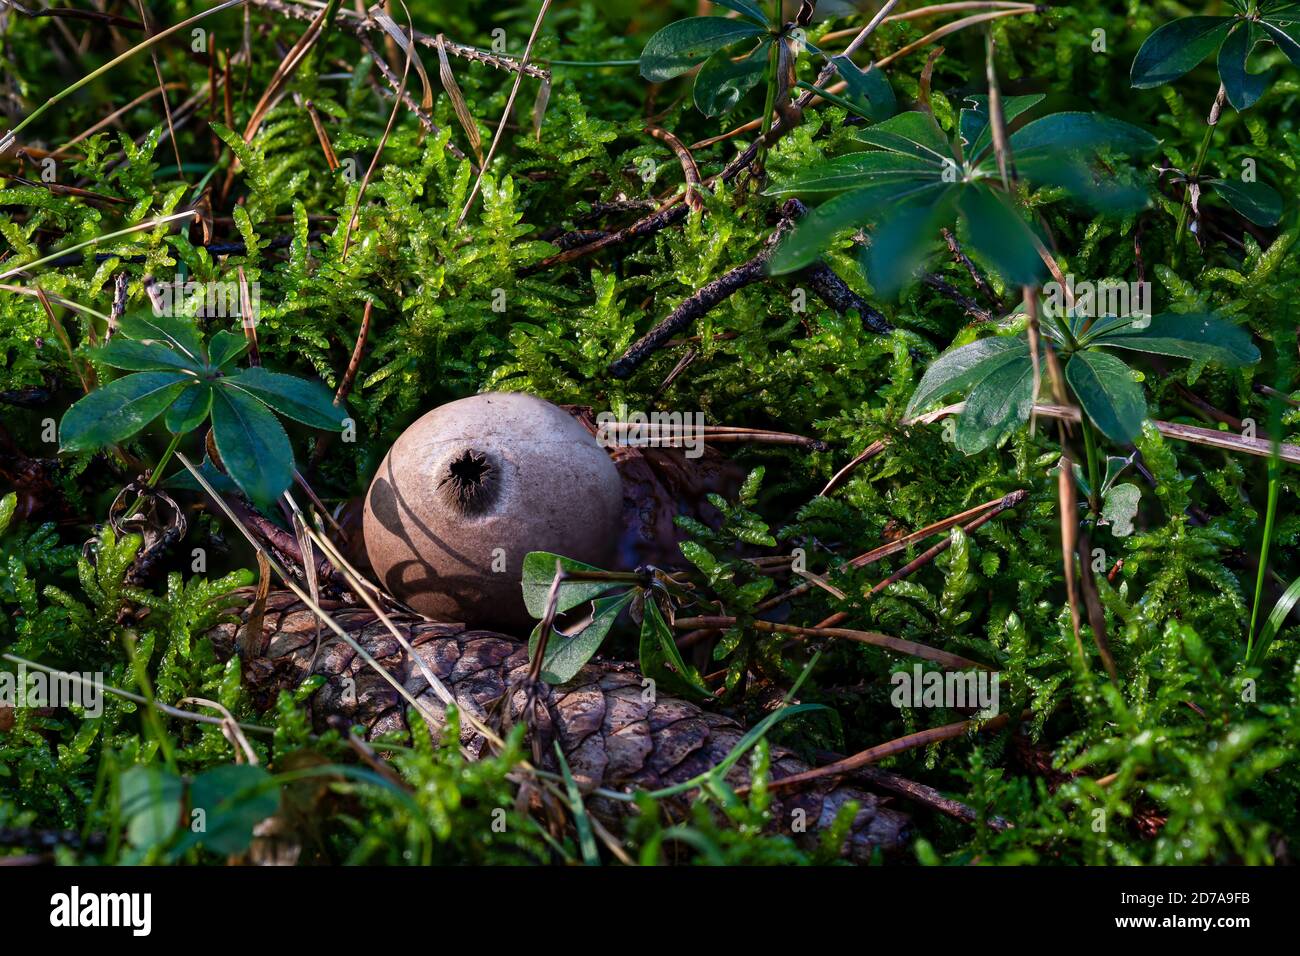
{"type": "Point", "coordinates": [166, 457]}
{"type": "Point", "coordinates": [140, 670]}
{"type": "Point", "coordinates": [1090, 450]}
{"type": "Point", "coordinates": [1270, 517]}
{"type": "Point", "coordinates": [773, 64]}
{"type": "Point", "coordinates": [155, 474]}
{"type": "Point", "coordinates": [1211, 124]}
{"type": "Point", "coordinates": [768, 107]}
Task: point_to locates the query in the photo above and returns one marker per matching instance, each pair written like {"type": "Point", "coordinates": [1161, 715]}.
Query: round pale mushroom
{"type": "Point", "coordinates": [475, 485]}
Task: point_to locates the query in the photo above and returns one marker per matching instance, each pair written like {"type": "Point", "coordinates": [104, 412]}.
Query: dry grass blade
{"type": "Point", "coordinates": [841, 476]}
{"type": "Point", "coordinates": [893, 547]}
{"type": "Point", "coordinates": [115, 115]}
{"type": "Point", "coordinates": [365, 590]}
{"type": "Point", "coordinates": [395, 84]}
{"type": "Point", "coordinates": [946, 30]}
{"type": "Point", "coordinates": [60, 190]}
{"type": "Point", "coordinates": [505, 114]}
{"type": "Point", "coordinates": [922, 738]}
{"type": "Point", "coordinates": [547, 624]}
{"type": "Point", "coordinates": [1193, 434]}
{"type": "Point", "coordinates": [138, 227]}
{"type": "Point", "coordinates": [874, 638]}
{"type": "Point", "coordinates": [285, 71]}
{"type": "Point", "coordinates": [252, 638]}
{"type": "Point", "coordinates": [937, 9]}
{"type": "Point", "coordinates": [379, 150]}
{"type": "Point", "coordinates": [7, 139]}
{"type": "Point", "coordinates": [302, 533]}
{"type": "Point", "coordinates": [690, 170]}
{"type": "Point", "coordinates": [248, 318]}
{"type": "Point", "coordinates": [306, 599]}
{"type": "Point", "coordinates": [448, 79]}
{"type": "Point", "coordinates": [229, 728]}
{"type": "Point", "coordinates": [401, 41]}
{"type": "Point", "coordinates": [364, 24]}
{"type": "Point", "coordinates": [58, 299]}
{"type": "Point", "coordinates": [85, 372]}
{"type": "Point", "coordinates": [1005, 503]}
{"type": "Point", "coordinates": [406, 44]}
{"type": "Point", "coordinates": [167, 709]}
{"type": "Point", "coordinates": [331, 158]}
{"type": "Point", "coordinates": [162, 90]}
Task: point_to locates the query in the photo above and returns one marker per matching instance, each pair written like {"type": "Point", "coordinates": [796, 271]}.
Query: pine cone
{"type": "Point", "coordinates": [615, 734]}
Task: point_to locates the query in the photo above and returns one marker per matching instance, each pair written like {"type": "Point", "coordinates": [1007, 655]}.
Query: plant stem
{"type": "Point", "coordinates": [155, 474]}
{"type": "Point", "coordinates": [1211, 122]}
{"type": "Point", "coordinates": [166, 457]}
{"type": "Point", "coordinates": [1090, 449]}
{"type": "Point", "coordinates": [1270, 516]}
{"type": "Point", "coordinates": [773, 63]}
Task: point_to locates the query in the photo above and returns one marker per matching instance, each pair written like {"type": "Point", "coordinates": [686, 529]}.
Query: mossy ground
{"type": "Point", "coordinates": [1189, 757]}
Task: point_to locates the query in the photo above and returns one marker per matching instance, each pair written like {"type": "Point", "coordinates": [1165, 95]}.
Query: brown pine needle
{"type": "Point", "coordinates": [379, 151]}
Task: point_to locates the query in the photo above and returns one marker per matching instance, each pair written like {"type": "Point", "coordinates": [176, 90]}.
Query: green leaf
{"type": "Point", "coordinates": [722, 81]}
{"type": "Point", "coordinates": [1087, 132]}
{"type": "Point", "coordinates": [975, 132]}
{"type": "Point", "coordinates": [1196, 336]}
{"type": "Point", "coordinates": [566, 654]}
{"type": "Point", "coordinates": [581, 819]}
{"type": "Point", "coordinates": [745, 8]}
{"type": "Point", "coordinates": [1112, 190]}
{"type": "Point", "coordinates": [1105, 388]}
{"type": "Point", "coordinates": [539, 572]}
{"type": "Point", "coordinates": [1176, 47]}
{"type": "Point", "coordinates": [116, 411]}
{"type": "Point", "coordinates": [868, 89]}
{"type": "Point", "coordinates": [190, 409]}
{"type": "Point", "coordinates": [1281, 611]}
{"type": "Point", "coordinates": [849, 211]}
{"type": "Point", "coordinates": [252, 445]}
{"type": "Point", "coordinates": [151, 804]}
{"type": "Point", "coordinates": [662, 662]}
{"type": "Point", "coordinates": [855, 170]}
{"type": "Point", "coordinates": [234, 799]}
{"type": "Point", "coordinates": [176, 333]}
{"type": "Point", "coordinates": [914, 133]}
{"type": "Point", "coordinates": [225, 347]}
{"type": "Point", "coordinates": [679, 46]}
{"type": "Point", "coordinates": [1115, 465]}
{"type": "Point", "coordinates": [960, 369]}
{"type": "Point", "coordinates": [996, 404]}
{"type": "Point", "coordinates": [1258, 202]}
{"type": "Point", "coordinates": [1119, 507]}
{"type": "Point", "coordinates": [1243, 88]}
{"type": "Point", "coordinates": [182, 479]}
{"type": "Point", "coordinates": [134, 356]}
{"type": "Point", "coordinates": [303, 400]}
{"type": "Point", "coordinates": [903, 241]}
{"type": "Point", "coordinates": [998, 233]}
{"type": "Point", "coordinates": [1284, 35]}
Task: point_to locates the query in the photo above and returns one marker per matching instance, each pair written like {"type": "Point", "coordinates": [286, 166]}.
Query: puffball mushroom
{"type": "Point", "coordinates": [475, 485]}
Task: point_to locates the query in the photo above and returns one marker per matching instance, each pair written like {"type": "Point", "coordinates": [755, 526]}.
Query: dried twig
{"type": "Point", "coordinates": [828, 286]}
{"type": "Point", "coordinates": [922, 738]}
{"type": "Point", "coordinates": [363, 24]}
{"type": "Point", "coordinates": [874, 638]}
{"type": "Point", "coordinates": [690, 171]}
